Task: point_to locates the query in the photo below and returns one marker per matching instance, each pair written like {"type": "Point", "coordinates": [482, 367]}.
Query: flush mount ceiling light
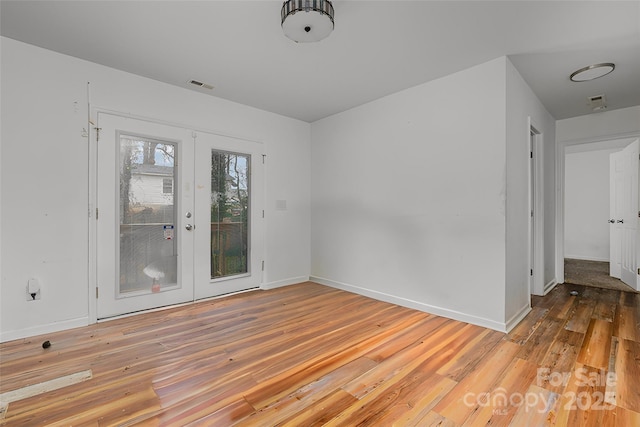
{"type": "Point", "coordinates": [305, 21]}
{"type": "Point", "coordinates": [592, 72]}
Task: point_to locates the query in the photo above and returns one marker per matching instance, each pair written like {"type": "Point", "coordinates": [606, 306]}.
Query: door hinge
{"type": "Point", "coordinates": [531, 154]}
{"type": "Point", "coordinates": [96, 292]}
{"type": "Point", "coordinates": [264, 156]}
{"type": "Point", "coordinates": [96, 214]}
{"type": "Point", "coordinates": [531, 272]}
{"type": "Point", "coordinates": [262, 213]}
{"type": "Point", "coordinates": [98, 133]}
{"type": "Point", "coordinates": [262, 265]}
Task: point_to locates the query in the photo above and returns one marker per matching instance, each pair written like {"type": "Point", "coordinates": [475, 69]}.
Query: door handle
{"type": "Point", "coordinates": [189, 227]}
{"type": "Point", "coordinates": [612, 221]}
{"type": "Point", "coordinates": [620, 221]}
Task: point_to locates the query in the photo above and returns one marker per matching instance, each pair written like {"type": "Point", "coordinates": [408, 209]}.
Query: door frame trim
{"type": "Point", "coordinates": [92, 158]}
{"type": "Point", "coordinates": [560, 189]}
{"type": "Point", "coordinates": [536, 204]}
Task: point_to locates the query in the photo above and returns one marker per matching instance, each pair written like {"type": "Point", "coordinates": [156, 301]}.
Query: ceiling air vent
{"type": "Point", "coordinates": [597, 103]}
{"type": "Point", "coordinates": [200, 84]}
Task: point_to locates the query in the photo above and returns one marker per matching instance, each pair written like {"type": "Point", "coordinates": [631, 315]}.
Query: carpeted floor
{"type": "Point", "coordinates": [592, 273]}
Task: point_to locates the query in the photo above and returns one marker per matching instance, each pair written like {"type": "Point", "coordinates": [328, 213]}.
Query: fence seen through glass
{"type": "Point", "coordinates": [148, 242]}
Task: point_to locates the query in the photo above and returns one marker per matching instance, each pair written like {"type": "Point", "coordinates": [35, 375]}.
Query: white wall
{"type": "Point", "coordinates": [523, 110]}
{"type": "Point", "coordinates": [408, 197]}
{"type": "Point", "coordinates": [598, 126]}
{"type": "Point", "coordinates": [586, 209]}
{"type": "Point", "coordinates": [408, 192]}
{"type": "Point", "coordinates": [45, 220]}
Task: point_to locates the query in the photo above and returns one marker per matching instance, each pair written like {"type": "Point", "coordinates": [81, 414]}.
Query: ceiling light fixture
{"type": "Point", "coordinates": [592, 72]}
{"type": "Point", "coordinates": [305, 21]}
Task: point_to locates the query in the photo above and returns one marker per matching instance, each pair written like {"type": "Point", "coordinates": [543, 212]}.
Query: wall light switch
{"type": "Point", "coordinates": [281, 205]}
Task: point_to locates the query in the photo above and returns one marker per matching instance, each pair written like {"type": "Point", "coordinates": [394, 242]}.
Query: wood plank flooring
{"type": "Point", "coordinates": [309, 355]}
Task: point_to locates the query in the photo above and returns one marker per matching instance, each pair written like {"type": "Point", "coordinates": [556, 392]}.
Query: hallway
{"type": "Point", "coordinates": [592, 273]}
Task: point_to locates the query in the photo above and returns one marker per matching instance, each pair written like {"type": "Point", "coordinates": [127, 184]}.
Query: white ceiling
{"type": "Point", "coordinates": [377, 47]}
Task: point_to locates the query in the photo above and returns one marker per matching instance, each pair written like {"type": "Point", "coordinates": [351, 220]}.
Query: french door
{"type": "Point", "coordinates": [229, 221]}
{"type": "Point", "coordinates": [179, 215]}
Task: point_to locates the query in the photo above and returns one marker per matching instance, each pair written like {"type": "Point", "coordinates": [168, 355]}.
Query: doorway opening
{"type": "Point", "coordinates": [595, 208]}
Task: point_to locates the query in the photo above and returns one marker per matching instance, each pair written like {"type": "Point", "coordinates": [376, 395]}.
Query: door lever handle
{"type": "Point", "coordinates": [612, 221]}
{"type": "Point", "coordinates": [620, 221]}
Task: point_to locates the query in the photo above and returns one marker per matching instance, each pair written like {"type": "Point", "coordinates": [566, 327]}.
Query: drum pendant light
{"type": "Point", "coordinates": [305, 21]}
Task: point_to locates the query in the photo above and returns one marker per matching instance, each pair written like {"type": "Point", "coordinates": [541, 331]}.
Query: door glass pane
{"type": "Point", "coordinates": [148, 239]}
{"type": "Point", "coordinates": [229, 213]}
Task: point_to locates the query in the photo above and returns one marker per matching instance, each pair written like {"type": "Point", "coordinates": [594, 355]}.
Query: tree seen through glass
{"type": "Point", "coordinates": [229, 213]}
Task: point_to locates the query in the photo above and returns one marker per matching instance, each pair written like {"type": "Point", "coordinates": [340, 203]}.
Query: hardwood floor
{"type": "Point", "coordinates": [308, 355]}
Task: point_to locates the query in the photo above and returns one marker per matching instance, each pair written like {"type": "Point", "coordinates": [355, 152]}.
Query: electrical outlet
{"type": "Point", "coordinates": [33, 290]}
{"type": "Point", "coordinates": [33, 296]}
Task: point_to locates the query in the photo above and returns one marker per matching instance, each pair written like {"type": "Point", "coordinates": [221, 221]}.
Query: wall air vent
{"type": "Point", "coordinates": [598, 102]}
{"type": "Point", "coordinates": [200, 84]}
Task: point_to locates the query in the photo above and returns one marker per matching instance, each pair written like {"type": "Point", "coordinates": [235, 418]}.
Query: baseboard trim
{"type": "Point", "coordinates": [549, 286]}
{"type": "Point", "coordinates": [586, 258]}
{"type": "Point", "coordinates": [517, 318]}
{"type": "Point", "coordinates": [44, 329]}
{"type": "Point", "coordinates": [84, 321]}
{"type": "Point", "coordinates": [417, 305]}
{"type": "Point", "coordinates": [285, 282]}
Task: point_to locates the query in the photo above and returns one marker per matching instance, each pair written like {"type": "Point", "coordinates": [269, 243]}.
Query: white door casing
{"type": "Point", "coordinates": [536, 208]}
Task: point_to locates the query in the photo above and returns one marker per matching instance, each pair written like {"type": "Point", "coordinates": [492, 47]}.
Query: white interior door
{"type": "Point", "coordinates": [144, 187]}
{"type": "Point", "coordinates": [229, 215]}
{"type": "Point", "coordinates": [629, 260]}
{"type": "Point", "coordinates": [624, 211]}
